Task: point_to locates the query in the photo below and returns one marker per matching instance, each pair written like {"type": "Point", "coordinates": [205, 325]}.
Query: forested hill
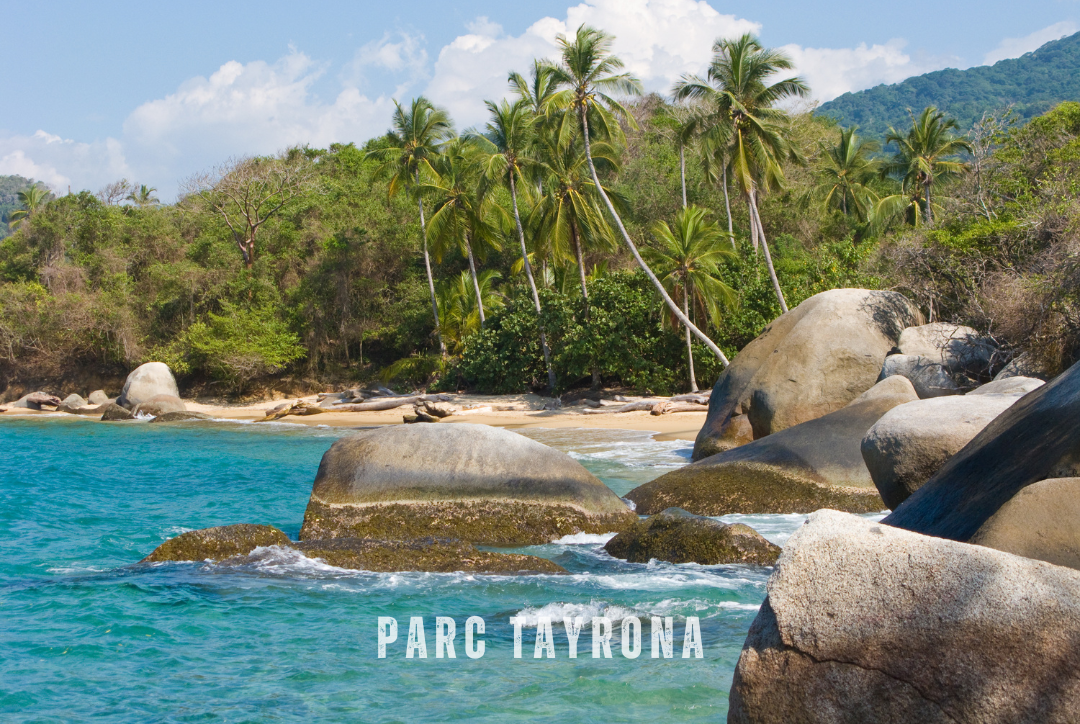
{"type": "Point", "coordinates": [1032, 83]}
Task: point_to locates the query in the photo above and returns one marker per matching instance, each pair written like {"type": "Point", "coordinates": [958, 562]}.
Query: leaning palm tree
{"type": "Point", "coordinates": [921, 159]}
{"type": "Point", "coordinates": [143, 196]}
{"type": "Point", "coordinates": [686, 257]}
{"type": "Point", "coordinates": [505, 147]}
{"type": "Point", "coordinates": [411, 146]}
{"type": "Point", "coordinates": [462, 216]}
{"type": "Point", "coordinates": [31, 199]}
{"type": "Point", "coordinates": [743, 124]}
{"type": "Point", "coordinates": [590, 72]}
{"type": "Point", "coordinates": [844, 177]}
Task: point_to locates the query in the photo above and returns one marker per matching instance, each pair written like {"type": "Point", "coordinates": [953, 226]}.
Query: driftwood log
{"type": "Point", "coordinates": [667, 408]}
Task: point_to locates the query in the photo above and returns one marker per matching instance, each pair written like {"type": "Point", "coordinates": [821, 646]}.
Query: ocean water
{"type": "Point", "coordinates": [87, 633]}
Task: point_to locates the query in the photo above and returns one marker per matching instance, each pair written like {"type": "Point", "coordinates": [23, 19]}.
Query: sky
{"type": "Point", "coordinates": [96, 92]}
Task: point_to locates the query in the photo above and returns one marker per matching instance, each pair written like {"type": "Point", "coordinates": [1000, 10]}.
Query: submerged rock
{"type": "Point", "coordinates": [811, 361]}
{"type": "Point", "coordinates": [470, 482]}
{"type": "Point", "coordinates": [181, 416]}
{"type": "Point", "coordinates": [160, 405]}
{"type": "Point", "coordinates": [112, 412]}
{"type": "Point", "coordinates": [867, 623]}
{"type": "Point", "coordinates": [817, 464]}
{"type": "Point", "coordinates": [146, 382]}
{"type": "Point", "coordinates": [432, 555]}
{"type": "Point", "coordinates": [1042, 521]}
{"type": "Point", "coordinates": [218, 543]}
{"type": "Point", "coordinates": [1036, 438]}
{"type": "Point", "coordinates": [680, 537]}
{"type": "Point", "coordinates": [912, 441]}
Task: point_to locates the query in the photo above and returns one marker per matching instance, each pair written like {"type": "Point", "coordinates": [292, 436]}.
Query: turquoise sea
{"type": "Point", "coordinates": [88, 634]}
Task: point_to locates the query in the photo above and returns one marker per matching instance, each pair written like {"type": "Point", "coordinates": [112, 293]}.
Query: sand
{"type": "Point", "coordinates": [509, 411]}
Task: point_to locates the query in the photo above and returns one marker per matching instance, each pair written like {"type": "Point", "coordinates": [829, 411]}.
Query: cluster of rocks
{"type": "Point", "coordinates": [150, 391]}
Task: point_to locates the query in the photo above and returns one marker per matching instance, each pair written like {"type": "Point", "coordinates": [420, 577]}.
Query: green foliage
{"type": "Point", "coordinates": [1032, 84]}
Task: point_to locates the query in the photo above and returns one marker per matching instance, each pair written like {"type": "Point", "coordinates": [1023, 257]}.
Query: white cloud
{"type": "Point", "coordinates": [60, 162]}
{"type": "Point", "coordinates": [1015, 47]}
{"type": "Point", "coordinates": [831, 72]}
{"type": "Point", "coordinates": [659, 40]}
{"type": "Point", "coordinates": [402, 54]}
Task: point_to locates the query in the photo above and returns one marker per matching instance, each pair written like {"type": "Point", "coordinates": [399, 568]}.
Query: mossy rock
{"type": "Point", "coordinates": [750, 488]}
{"type": "Point", "coordinates": [676, 536]}
{"type": "Point", "coordinates": [467, 482]}
{"type": "Point", "coordinates": [216, 544]}
{"type": "Point", "coordinates": [181, 417]}
{"type": "Point", "coordinates": [112, 412]}
{"type": "Point", "coordinates": [431, 555]}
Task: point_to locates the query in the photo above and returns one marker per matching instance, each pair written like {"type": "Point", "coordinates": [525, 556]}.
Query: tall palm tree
{"type": "Point", "coordinates": [590, 72]}
{"type": "Point", "coordinates": [678, 124]}
{"type": "Point", "coordinates": [686, 257]}
{"type": "Point", "coordinates": [143, 196]}
{"type": "Point", "coordinates": [846, 174]}
{"type": "Point", "coordinates": [31, 198]}
{"type": "Point", "coordinates": [462, 216]}
{"type": "Point", "coordinates": [412, 143]}
{"type": "Point", "coordinates": [458, 308]}
{"type": "Point", "coordinates": [921, 159]}
{"type": "Point", "coordinates": [506, 144]}
{"type": "Point", "coordinates": [743, 121]}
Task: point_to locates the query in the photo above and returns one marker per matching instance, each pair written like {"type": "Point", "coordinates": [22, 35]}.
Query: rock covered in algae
{"type": "Point", "coordinates": [469, 482]}
{"type": "Point", "coordinates": [431, 555]}
{"type": "Point", "coordinates": [680, 537]}
{"type": "Point", "coordinates": [217, 543]}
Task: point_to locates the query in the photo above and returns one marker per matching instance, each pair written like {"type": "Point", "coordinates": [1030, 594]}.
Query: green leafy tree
{"type": "Point", "coordinates": [590, 72]}
{"type": "Point", "coordinates": [925, 155]}
{"type": "Point", "coordinates": [742, 125]}
{"type": "Point", "coordinates": [686, 258]}
{"type": "Point", "coordinates": [509, 137]}
{"type": "Point", "coordinates": [412, 144]}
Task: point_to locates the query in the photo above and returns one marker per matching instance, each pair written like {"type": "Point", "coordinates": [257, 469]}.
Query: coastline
{"type": "Point", "coordinates": [517, 411]}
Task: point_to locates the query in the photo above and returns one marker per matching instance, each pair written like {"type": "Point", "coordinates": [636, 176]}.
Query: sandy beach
{"type": "Point", "coordinates": [509, 411]}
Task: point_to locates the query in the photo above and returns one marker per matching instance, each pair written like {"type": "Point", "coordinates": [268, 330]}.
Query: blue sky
{"type": "Point", "coordinates": [96, 92]}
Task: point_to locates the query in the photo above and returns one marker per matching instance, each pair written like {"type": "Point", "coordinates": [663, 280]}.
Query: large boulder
{"type": "Point", "coordinates": [868, 623]}
{"type": "Point", "coordinates": [146, 382]}
{"type": "Point", "coordinates": [809, 362]}
{"type": "Point", "coordinates": [112, 412]}
{"type": "Point", "coordinates": [912, 441]}
{"type": "Point", "coordinates": [1036, 438]}
{"type": "Point", "coordinates": [680, 537]}
{"type": "Point", "coordinates": [159, 405]}
{"type": "Point", "coordinates": [430, 555]}
{"type": "Point", "coordinates": [929, 378]}
{"type": "Point", "coordinates": [98, 397]}
{"type": "Point", "coordinates": [469, 482]}
{"type": "Point", "coordinates": [958, 348]}
{"type": "Point", "coordinates": [1042, 521]}
{"type": "Point", "coordinates": [817, 464]}
{"type": "Point", "coordinates": [1018, 385]}
{"type": "Point", "coordinates": [36, 400]}
{"type": "Point", "coordinates": [1023, 365]}
{"type": "Point", "coordinates": [218, 543]}
{"type": "Point", "coordinates": [73, 401]}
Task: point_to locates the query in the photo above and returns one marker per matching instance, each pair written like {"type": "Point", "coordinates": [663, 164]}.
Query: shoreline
{"type": "Point", "coordinates": [519, 411]}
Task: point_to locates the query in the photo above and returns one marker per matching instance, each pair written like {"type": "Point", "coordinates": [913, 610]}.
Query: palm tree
{"type": "Point", "coordinates": [412, 144]}
{"type": "Point", "coordinates": [510, 134]}
{"type": "Point", "coordinates": [462, 210]}
{"type": "Point", "coordinates": [679, 126]}
{"type": "Point", "coordinates": [31, 198]}
{"type": "Point", "coordinates": [687, 257]}
{"type": "Point", "coordinates": [457, 305]}
{"type": "Point", "coordinates": [743, 121]}
{"type": "Point", "coordinates": [143, 197]}
{"type": "Point", "coordinates": [847, 173]}
{"type": "Point", "coordinates": [921, 159]}
{"type": "Point", "coordinates": [589, 72]}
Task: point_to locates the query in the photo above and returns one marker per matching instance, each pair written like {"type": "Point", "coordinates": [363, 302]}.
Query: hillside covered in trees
{"type": "Point", "coordinates": [1032, 84]}
{"type": "Point", "coordinates": [491, 258]}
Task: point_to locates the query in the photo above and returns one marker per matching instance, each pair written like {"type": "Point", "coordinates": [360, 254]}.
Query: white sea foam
{"type": "Point", "coordinates": [675, 607]}
{"type": "Point", "coordinates": [579, 539]}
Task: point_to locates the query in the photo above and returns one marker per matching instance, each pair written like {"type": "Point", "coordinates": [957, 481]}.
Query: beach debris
{"type": "Point", "coordinates": [36, 400]}
{"type": "Point", "coordinates": [667, 408]}
{"type": "Point", "coordinates": [296, 408]}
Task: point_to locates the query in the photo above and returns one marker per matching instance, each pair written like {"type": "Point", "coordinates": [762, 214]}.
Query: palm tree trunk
{"type": "Point", "coordinates": [929, 211]}
{"type": "Point", "coordinates": [475, 282]}
{"type": "Point", "coordinates": [580, 266]}
{"type": "Point", "coordinates": [689, 349]}
{"type": "Point", "coordinates": [727, 206]}
{"type": "Point", "coordinates": [532, 287]}
{"type": "Point", "coordinates": [755, 220]}
{"type": "Point", "coordinates": [637, 255]}
{"type": "Point", "coordinates": [753, 225]}
{"type": "Point", "coordinates": [430, 278]}
{"type": "Point", "coordinates": [682, 173]}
